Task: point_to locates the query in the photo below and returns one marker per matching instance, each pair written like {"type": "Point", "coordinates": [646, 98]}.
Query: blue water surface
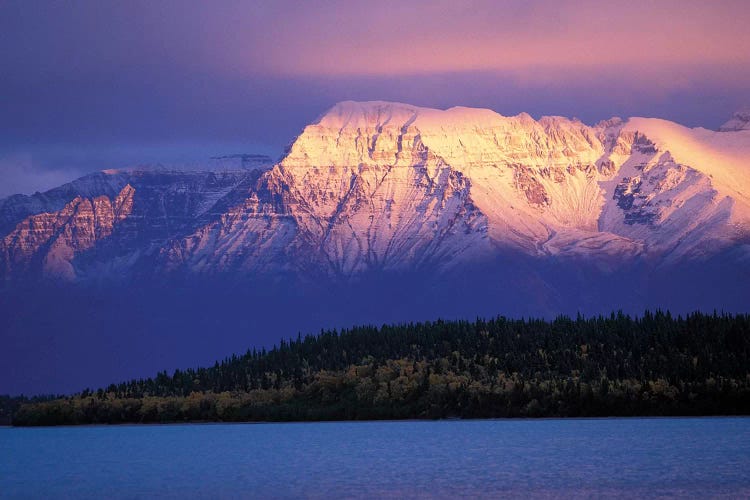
{"type": "Point", "coordinates": [633, 458]}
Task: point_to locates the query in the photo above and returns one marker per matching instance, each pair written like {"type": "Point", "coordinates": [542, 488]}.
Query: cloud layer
{"type": "Point", "coordinates": [80, 77]}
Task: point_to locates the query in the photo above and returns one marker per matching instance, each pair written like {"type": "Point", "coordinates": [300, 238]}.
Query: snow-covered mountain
{"type": "Point", "coordinates": [106, 225]}
{"type": "Point", "coordinates": [378, 212]}
{"type": "Point", "coordinates": [385, 186]}
{"type": "Point", "coordinates": [739, 121]}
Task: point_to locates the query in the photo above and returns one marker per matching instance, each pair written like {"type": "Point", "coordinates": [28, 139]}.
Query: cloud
{"type": "Point", "coordinates": [389, 37]}
{"type": "Point", "coordinates": [395, 37]}
{"type": "Point", "coordinates": [20, 175]}
{"type": "Point", "coordinates": [90, 84]}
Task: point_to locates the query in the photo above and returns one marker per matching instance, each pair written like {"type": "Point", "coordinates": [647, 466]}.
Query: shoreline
{"type": "Point", "coordinates": [385, 420]}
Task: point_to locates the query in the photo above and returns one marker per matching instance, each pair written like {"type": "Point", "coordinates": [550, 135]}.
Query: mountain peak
{"type": "Point", "coordinates": [740, 121]}
{"type": "Point", "coordinates": [359, 114]}
{"type": "Point", "coordinates": [366, 113]}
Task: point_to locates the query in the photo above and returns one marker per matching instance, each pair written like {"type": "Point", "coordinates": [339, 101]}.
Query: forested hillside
{"type": "Point", "coordinates": [653, 365]}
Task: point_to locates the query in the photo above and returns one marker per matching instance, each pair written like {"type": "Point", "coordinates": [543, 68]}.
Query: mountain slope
{"type": "Point", "coordinates": [159, 205]}
{"type": "Point", "coordinates": [387, 186]}
{"type": "Point", "coordinates": [59, 235]}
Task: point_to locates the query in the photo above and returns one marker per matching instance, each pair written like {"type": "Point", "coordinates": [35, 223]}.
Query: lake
{"type": "Point", "coordinates": [628, 457]}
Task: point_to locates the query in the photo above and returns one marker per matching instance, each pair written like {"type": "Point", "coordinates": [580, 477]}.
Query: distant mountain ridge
{"type": "Point", "coordinates": [387, 186]}
{"type": "Point", "coordinates": [739, 121]}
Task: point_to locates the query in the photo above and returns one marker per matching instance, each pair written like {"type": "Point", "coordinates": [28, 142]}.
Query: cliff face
{"type": "Point", "coordinates": [391, 187]}
{"type": "Point", "coordinates": [52, 240]}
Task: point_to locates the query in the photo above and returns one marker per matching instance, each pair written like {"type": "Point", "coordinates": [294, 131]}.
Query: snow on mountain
{"type": "Point", "coordinates": [722, 157]}
{"type": "Point", "coordinates": [379, 186]}
{"type": "Point", "coordinates": [739, 121]}
{"type": "Point", "coordinates": [536, 181]}
{"type": "Point", "coordinates": [14, 209]}
{"type": "Point", "coordinates": [498, 155]}
{"type": "Point", "coordinates": [59, 235]}
{"type": "Point", "coordinates": [107, 221]}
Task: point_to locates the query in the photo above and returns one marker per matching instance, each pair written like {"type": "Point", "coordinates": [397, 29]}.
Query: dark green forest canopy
{"type": "Point", "coordinates": [616, 365]}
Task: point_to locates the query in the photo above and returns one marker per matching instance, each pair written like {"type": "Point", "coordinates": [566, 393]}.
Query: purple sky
{"type": "Point", "coordinates": [88, 85]}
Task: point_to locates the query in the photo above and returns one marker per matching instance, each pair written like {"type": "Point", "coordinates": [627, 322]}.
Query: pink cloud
{"type": "Point", "coordinates": [552, 38]}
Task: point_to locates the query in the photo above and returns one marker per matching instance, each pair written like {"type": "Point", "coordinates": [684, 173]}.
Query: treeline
{"type": "Point", "coordinates": [617, 365]}
{"type": "Point", "coordinates": [9, 405]}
